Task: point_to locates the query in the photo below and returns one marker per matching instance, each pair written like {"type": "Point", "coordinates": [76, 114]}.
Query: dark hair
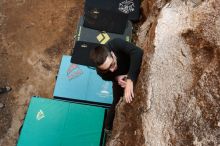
{"type": "Point", "coordinates": [99, 54]}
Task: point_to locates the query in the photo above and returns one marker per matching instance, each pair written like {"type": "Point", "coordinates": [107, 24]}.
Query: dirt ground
{"type": "Point", "coordinates": [33, 37]}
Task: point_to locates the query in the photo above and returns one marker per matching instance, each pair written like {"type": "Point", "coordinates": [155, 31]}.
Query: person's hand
{"type": "Point", "coordinates": [121, 79]}
{"type": "Point", "coordinates": [128, 92]}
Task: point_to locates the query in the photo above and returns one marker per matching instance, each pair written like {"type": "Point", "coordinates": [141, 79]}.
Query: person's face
{"type": "Point", "coordinates": [110, 64]}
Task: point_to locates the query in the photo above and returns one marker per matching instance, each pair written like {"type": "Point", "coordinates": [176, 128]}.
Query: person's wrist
{"type": "Point", "coordinates": [129, 80]}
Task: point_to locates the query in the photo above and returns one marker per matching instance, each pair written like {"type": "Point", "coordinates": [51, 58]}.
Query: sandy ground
{"type": "Point", "coordinates": [33, 37]}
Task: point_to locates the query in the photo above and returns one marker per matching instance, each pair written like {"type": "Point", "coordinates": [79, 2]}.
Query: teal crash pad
{"type": "Point", "coordinates": [52, 122]}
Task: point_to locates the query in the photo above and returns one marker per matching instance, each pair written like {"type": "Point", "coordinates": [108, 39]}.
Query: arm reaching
{"type": "Point", "coordinates": [128, 92]}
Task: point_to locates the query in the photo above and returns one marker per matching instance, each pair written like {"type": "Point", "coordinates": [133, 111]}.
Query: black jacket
{"type": "Point", "coordinates": [129, 58]}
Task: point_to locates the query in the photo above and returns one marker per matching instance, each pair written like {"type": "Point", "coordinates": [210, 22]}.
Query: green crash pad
{"type": "Point", "coordinates": [52, 122]}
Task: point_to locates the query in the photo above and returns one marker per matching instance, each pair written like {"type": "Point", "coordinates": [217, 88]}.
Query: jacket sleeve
{"type": "Point", "coordinates": [135, 53]}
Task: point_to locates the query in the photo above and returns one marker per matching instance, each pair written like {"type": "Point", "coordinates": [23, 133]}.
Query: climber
{"type": "Point", "coordinates": [118, 61]}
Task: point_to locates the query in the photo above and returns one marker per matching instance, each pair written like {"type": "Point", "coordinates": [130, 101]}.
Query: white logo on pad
{"type": "Point", "coordinates": [40, 115]}
{"type": "Point", "coordinates": [126, 6]}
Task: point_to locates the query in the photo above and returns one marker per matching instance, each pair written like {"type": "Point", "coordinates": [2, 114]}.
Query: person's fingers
{"type": "Point", "coordinates": [132, 94]}
{"type": "Point", "coordinates": [126, 97]}
{"type": "Point", "coordinates": [120, 81]}
{"type": "Point", "coordinates": [130, 98]}
{"type": "Point", "coordinates": [122, 85]}
{"type": "Point", "coordinates": [123, 82]}
{"type": "Point", "coordinates": [128, 101]}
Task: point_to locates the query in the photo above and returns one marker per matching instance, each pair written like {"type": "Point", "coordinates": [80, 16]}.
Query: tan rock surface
{"type": "Point", "coordinates": [177, 100]}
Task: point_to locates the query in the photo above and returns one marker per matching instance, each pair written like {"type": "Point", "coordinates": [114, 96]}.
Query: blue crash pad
{"type": "Point", "coordinates": [82, 84]}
